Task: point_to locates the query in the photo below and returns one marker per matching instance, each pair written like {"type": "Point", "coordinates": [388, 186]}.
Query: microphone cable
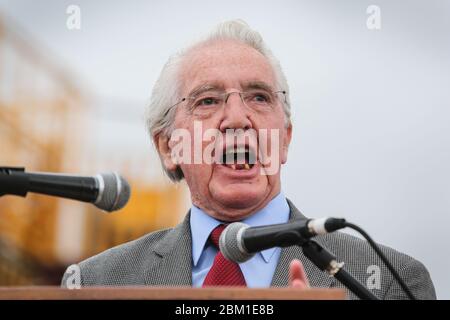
{"type": "Point", "coordinates": [376, 248]}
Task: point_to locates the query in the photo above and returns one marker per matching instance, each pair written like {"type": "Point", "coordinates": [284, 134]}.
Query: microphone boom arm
{"type": "Point", "coordinates": [326, 261]}
{"type": "Point", "coordinates": [15, 181]}
{"type": "Point", "coordinates": [107, 191]}
{"type": "Point", "coordinates": [11, 184]}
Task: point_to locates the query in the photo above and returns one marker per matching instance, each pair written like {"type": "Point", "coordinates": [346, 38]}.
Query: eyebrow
{"type": "Point", "coordinates": [205, 87]}
{"type": "Point", "coordinates": [258, 85]}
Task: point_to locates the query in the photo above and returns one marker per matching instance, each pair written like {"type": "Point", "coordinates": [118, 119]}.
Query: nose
{"type": "Point", "coordinates": [235, 114]}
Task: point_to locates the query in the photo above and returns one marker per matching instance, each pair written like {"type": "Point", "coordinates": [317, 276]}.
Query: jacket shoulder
{"type": "Point", "coordinates": [121, 265]}
{"type": "Point", "coordinates": [365, 265]}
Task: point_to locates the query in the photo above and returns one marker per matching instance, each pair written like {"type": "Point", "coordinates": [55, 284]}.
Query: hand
{"type": "Point", "coordinates": [297, 275]}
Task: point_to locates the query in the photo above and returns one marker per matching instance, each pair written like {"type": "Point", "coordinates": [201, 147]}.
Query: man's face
{"type": "Point", "coordinates": [223, 191]}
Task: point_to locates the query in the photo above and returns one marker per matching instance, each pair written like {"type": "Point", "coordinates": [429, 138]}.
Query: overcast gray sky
{"type": "Point", "coordinates": [371, 108]}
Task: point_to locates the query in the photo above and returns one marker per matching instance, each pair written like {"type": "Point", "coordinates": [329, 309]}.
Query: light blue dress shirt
{"type": "Point", "coordinates": [259, 270]}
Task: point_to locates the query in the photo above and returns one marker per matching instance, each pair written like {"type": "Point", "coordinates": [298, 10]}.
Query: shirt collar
{"type": "Point", "coordinates": [276, 211]}
{"type": "Point", "coordinates": [202, 225]}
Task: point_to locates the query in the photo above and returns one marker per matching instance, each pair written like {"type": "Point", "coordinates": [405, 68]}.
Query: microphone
{"type": "Point", "coordinates": [107, 191]}
{"type": "Point", "coordinates": [239, 242]}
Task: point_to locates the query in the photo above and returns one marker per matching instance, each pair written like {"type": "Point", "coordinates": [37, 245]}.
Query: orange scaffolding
{"type": "Point", "coordinates": [43, 118]}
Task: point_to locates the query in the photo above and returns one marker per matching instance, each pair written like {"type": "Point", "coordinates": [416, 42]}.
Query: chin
{"type": "Point", "coordinates": [239, 196]}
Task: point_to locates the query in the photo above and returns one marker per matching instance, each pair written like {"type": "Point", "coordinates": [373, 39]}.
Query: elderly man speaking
{"type": "Point", "coordinates": [230, 82]}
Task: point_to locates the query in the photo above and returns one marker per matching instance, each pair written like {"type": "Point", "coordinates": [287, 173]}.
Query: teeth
{"type": "Point", "coordinates": [244, 166]}
{"type": "Point", "coordinates": [240, 158]}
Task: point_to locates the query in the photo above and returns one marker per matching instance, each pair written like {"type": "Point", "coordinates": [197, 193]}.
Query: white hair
{"type": "Point", "coordinates": [166, 92]}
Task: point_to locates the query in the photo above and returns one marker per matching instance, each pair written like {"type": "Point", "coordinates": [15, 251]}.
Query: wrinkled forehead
{"type": "Point", "coordinates": [225, 64]}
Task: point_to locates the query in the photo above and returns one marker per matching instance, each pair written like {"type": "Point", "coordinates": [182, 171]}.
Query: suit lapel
{"type": "Point", "coordinates": [316, 277]}
{"type": "Point", "coordinates": [172, 263]}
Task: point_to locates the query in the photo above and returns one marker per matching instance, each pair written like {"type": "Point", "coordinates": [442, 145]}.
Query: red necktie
{"type": "Point", "coordinates": [223, 272]}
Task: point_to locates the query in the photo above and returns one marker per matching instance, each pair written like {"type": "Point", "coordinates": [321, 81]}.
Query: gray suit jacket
{"type": "Point", "coordinates": [164, 258]}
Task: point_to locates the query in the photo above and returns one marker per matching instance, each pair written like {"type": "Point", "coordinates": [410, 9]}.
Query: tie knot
{"type": "Point", "coordinates": [215, 234]}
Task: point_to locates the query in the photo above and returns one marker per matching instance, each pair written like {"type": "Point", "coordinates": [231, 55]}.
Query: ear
{"type": "Point", "coordinates": [165, 152]}
{"type": "Point", "coordinates": [286, 142]}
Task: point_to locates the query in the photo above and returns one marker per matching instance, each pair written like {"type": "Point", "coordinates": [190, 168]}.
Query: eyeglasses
{"type": "Point", "coordinates": [209, 102]}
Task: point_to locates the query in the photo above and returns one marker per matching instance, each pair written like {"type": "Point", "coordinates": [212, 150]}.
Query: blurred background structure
{"type": "Point", "coordinates": [371, 114]}
{"type": "Point", "coordinates": [46, 125]}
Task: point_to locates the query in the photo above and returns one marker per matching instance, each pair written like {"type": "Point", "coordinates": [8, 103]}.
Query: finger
{"type": "Point", "coordinates": [297, 274]}
{"type": "Point", "coordinates": [299, 284]}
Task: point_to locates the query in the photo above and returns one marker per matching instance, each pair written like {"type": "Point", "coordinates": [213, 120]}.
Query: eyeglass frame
{"type": "Point", "coordinates": [227, 95]}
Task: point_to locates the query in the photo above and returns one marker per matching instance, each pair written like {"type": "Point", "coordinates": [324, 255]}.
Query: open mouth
{"type": "Point", "coordinates": [239, 158]}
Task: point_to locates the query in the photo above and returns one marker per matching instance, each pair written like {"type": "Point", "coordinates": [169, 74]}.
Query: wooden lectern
{"type": "Point", "coordinates": [167, 293]}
